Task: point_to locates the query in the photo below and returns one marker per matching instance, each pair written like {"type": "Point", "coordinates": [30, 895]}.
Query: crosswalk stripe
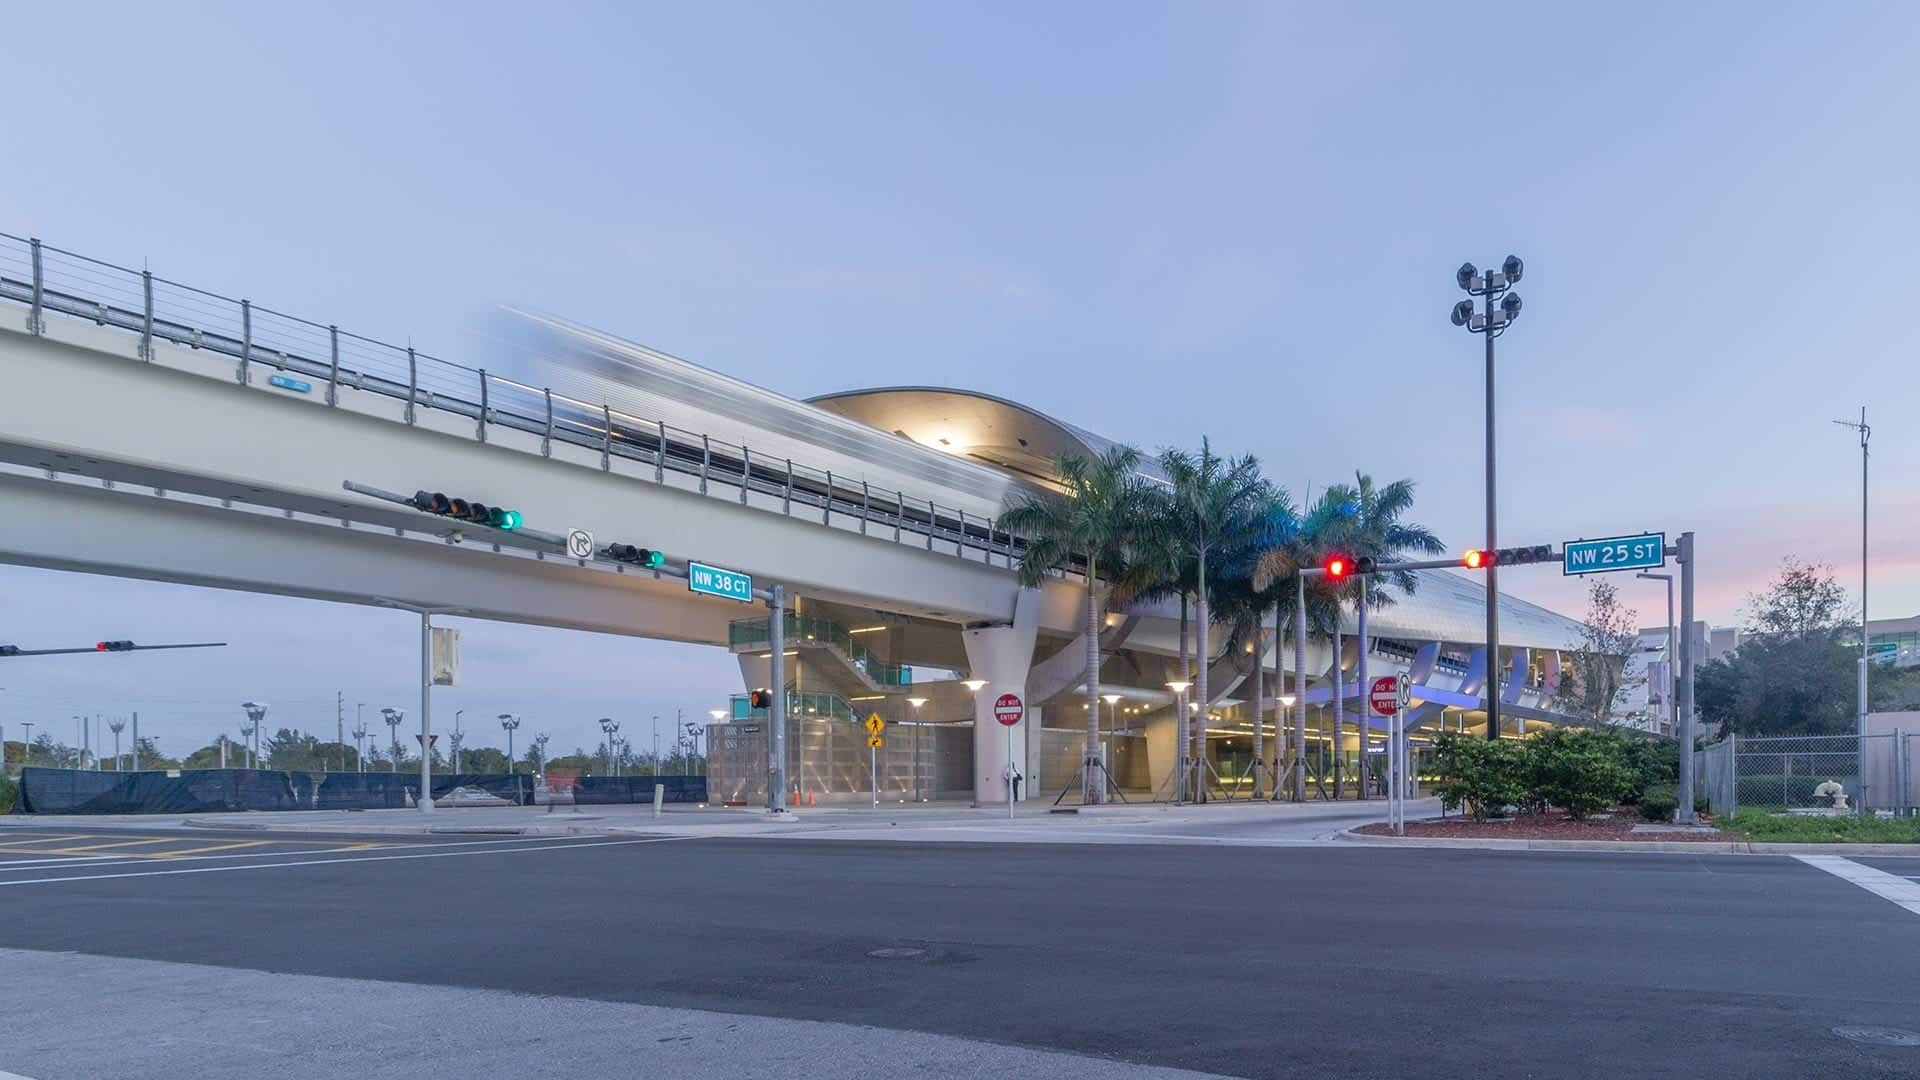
{"type": "Point", "coordinates": [1878, 882]}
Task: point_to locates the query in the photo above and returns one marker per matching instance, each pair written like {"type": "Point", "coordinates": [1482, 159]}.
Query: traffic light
{"type": "Point", "coordinates": [638, 556]}
{"type": "Point", "coordinates": [113, 646]}
{"type": "Point", "coordinates": [760, 699]}
{"type": "Point", "coordinates": [1531, 554]}
{"type": "Point", "coordinates": [1341, 567]}
{"type": "Point", "coordinates": [9, 650]}
{"type": "Point", "coordinates": [494, 517]}
{"type": "Point", "coordinates": [1516, 556]}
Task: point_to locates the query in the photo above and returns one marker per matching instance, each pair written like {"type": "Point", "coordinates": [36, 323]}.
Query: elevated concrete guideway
{"type": "Point", "coordinates": [176, 429]}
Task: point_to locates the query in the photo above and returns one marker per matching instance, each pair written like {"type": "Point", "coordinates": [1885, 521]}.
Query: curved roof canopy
{"type": "Point", "coordinates": [967, 423]}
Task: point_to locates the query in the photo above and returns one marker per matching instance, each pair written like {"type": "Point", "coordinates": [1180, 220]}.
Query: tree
{"type": "Point", "coordinates": [1101, 519]}
{"type": "Point", "coordinates": [1599, 664]}
{"type": "Point", "coordinates": [1217, 505]}
{"type": "Point", "coordinates": [1291, 544]}
{"type": "Point", "coordinates": [1372, 527]}
{"type": "Point", "coordinates": [1794, 674]}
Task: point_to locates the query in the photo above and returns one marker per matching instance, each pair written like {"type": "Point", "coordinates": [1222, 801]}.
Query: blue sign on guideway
{"type": "Point", "coordinates": [715, 581]}
{"type": "Point", "coordinates": [1642, 552]}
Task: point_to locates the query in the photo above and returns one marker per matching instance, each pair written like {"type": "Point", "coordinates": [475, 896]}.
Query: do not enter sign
{"type": "Point", "coordinates": [1384, 695]}
{"type": "Point", "coordinates": [1008, 709]}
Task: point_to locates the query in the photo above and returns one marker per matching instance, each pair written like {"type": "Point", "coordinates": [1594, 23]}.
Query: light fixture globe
{"type": "Point", "coordinates": [1513, 268]}
{"type": "Point", "coordinates": [1465, 275]}
{"type": "Point", "coordinates": [1462, 312]}
{"type": "Point", "coordinates": [1510, 304]}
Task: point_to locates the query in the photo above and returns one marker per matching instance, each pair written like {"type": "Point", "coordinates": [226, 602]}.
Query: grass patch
{"type": "Point", "coordinates": [1765, 827]}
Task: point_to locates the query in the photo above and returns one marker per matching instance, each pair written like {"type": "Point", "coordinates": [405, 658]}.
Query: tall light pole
{"type": "Point", "coordinates": [1500, 309]}
{"type": "Point", "coordinates": [359, 754]}
{"type": "Point", "coordinates": [656, 743]}
{"type": "Point", "coordinates": [1673, 704]}
{"type": "Point", "coordinates": [540, 751]}
{"type": "Point", "coordinates": [81, 762]}
{"type": "Point", "coordinates": [609, 725]}
{"type": "Point", "coordinates": [116, 726]}
{"type": "Point", "coordinates": [256, 715]}
{"type": "Point", "coordinates": [456, 737]}
{"type": "Point", "coordinates": [508, 723]}
{"type": "Point", "coordinates": [26, 746]}
{"type": "Point", "coordinates": [1866, 433]}
{"type": "Point", "coordinates": [393, 717]}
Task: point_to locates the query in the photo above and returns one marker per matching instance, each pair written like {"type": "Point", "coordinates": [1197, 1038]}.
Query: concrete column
{"type": "Point", "coordinates": [1163, 747]}
{"type": "Point", "coordinates": [1001, 655]}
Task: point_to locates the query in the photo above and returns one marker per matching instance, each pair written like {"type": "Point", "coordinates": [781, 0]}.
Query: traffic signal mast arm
{"type": "Point", "coordinates": [463, 513]}
{"type": "Point", "coordinates": [1473, 560]}
{"type": "Point", "coordinates": [106, 646]}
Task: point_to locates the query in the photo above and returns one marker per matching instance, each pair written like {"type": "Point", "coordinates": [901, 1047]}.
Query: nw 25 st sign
{"type": "Point", "coordinates": [1644, 552]}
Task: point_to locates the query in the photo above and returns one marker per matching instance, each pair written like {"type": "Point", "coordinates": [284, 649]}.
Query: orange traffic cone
{"type": "Point", "coordinates": [796, 794]}
{"type": "Point", "coordinates": [809, 796]}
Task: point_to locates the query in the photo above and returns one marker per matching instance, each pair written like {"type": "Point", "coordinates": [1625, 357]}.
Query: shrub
{"type": "Point", "coordinates": [1653, 763]}
{"type": "Point", "coordinates": [1484, 777]}
{"type": "Point", "coordinates": [1580, 771]}
{"type": "Point", "coordinates": [1659, 803]}
{"type": "Point", "coordinates": [9, 790]}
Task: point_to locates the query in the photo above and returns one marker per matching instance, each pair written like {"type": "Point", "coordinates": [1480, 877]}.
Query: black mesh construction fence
{"type": "Point", "coordinates": [600, 790]}
{"type": "Point", "coordinates": [75, 791]}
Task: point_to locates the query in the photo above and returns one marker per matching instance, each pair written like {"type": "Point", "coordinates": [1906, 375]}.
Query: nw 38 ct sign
{"type": "Point", "coordinates": [1643, 552]}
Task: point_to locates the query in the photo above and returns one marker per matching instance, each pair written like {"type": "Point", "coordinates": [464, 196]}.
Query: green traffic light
{"type": "Point", "coordinates": [509, 519]}
{"type": "Point", "coordinates": [656, 558]}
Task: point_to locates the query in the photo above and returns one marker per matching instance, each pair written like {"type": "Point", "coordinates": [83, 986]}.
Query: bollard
{"type": "Point", "coordinates": [659, 796]}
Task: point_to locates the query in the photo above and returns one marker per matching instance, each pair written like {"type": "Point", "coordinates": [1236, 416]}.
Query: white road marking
{"type": "Point", "coordinates": [364, 845]}
{"type": "Point", "coordinates": [327, 862]}
{"type": "Point", "coordinates": [4, 1075]}
{"type": "Point", "coordinates": [1878, 882]}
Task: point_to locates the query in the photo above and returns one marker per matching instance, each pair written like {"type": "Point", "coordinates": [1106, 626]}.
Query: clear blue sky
{"type": "Point", "coordinates": [1158, 221]}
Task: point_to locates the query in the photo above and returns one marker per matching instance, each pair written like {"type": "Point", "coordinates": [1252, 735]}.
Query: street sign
{"type": "Point", "coordinates": [1008, 709]}
{"type": "Point", "coordinates": [296, 385]}
{"type": "Point", "coordinates": [580, 543]}
{"type": "Point", "coordinates": [1644, 552]}
{"type": "Point", "coordinates": [875, 725]}
{"type": "Point", "coordinates": [1383, 697]}
{"type": "Point", "coordinates": [715, 581]}
{"type": "Point", "coordinates": [876, 741]}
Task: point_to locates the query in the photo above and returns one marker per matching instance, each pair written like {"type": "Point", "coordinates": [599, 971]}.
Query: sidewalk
{"type": "Point", "coordinates": [1670, 847]}
{"type": "Point", "coordinates": [1223, 823]}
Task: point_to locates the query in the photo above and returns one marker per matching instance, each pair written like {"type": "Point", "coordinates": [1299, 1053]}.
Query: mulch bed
{"type": "Point", "coordinates": [1554, 825]}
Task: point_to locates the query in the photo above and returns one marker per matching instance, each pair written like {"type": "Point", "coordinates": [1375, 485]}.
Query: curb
{"type": "Point", "coordinates": [1699, 847]}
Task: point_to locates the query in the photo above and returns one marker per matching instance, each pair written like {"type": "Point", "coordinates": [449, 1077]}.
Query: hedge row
{"type": "Point", "coordinates": [1578, 770]}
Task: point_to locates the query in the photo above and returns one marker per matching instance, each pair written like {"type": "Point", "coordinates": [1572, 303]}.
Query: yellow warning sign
{"type": "Point", "coordinates": [875, 725]}
{"type": "Point", "coordinates": [876, 741]}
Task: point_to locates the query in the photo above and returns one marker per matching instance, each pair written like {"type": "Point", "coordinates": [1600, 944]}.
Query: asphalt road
{"type": "Point", "coordinates": [1303, 961]}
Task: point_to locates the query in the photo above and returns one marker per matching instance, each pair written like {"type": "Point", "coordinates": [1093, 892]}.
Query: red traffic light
{"type": "Point", "coordinates": [1338, 567]}
{"type": "Point", "coordinates": [760, 699]}
{"type": "Point", "coordinates": [1477, 559]}
{"type": "Point", "coordinates": [113, 646]}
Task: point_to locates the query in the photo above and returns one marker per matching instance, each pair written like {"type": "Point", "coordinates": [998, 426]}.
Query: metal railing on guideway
{"type": "Point", "coordinates": [49, 280]}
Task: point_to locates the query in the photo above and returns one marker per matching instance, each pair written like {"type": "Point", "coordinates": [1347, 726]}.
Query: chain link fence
{"type": "Point", "coordinates": [1874, 772]}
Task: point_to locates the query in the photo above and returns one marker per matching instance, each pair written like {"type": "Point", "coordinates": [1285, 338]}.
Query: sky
{"type": "Point", "coordinates": [1157, 221]}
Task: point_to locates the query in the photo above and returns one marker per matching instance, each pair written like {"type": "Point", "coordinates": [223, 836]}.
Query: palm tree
{"type": "Point", "coordinates": [1298, 539]}
{"type": "Point", "coordinates": [1373, 527]}
{"type": "Point", "coordinates": [1216, 503]}
{"type": "Point", "coordinates": [1101, 519]}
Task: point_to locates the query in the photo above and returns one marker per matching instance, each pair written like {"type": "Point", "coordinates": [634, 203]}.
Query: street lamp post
{"type": "Point", "coordinates": [1179, 688]}
{"type": "Point", "coordinates": [26, 746]}
{"type": "Point", "coordinates": [508, 723]}
{"type": "Point", "coordinates": [456, 739]}
{"type": "Point", "coordinates": [1673, 706]}
{"type": "Point", "coordinates": [1866, 433]}
{"type": "Point", "coordinates": [1113, 722]}
{"type": "Point", "coordinates": [359, 753]}
{"type": "Point", "coordinates": [916, 702]}
{"type": "Point", "coordinates": [116, 726]}
{"type": "Point", "coordinates": [540, 752]}
{"type": "Point", "coordinates": [1501, 307]}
